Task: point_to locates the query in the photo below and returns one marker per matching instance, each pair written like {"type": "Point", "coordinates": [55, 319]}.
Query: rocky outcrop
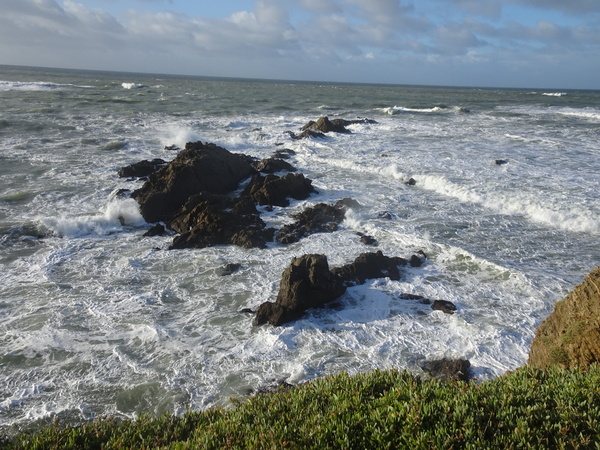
{"type": "Point", "coordinates": [324, 125]}
{"type": "Point", "coordinates": [448, 369]}
{"type": "Point", "coordinates": [141, 169]}
{"type": "Point", "coordinates": [272, 190]}
{"type": "Point", "coordinates": [443, 305]}
{"type": "Point", "coordinates": [320, 218]}
{"type": "Point", "coordinates": [570, 336]}
{"type": "Point", "coordinates": [306, 283]}
{"type": "Point", "coordinates": [198, 168]}
{"type": "Point", "coordinates": [272, 165]}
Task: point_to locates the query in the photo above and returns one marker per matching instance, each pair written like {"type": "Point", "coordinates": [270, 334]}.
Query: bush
{"type": "Point", "coordinates": [556, 408]}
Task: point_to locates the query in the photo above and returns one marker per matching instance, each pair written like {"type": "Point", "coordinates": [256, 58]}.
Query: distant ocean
{"type": "Point", "coordinates": [96, 319]}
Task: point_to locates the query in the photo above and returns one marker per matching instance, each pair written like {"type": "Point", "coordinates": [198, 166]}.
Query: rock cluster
{"type": "Point", "coordinates": [309, 283]}
{"type": "Point", "coordinates": [570, 336]}
{"type": "Point", "coordinates": [193, 195]}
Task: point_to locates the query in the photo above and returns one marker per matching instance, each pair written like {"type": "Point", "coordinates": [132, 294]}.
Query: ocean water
{"type": "Point", "coordinates": [96, 319]}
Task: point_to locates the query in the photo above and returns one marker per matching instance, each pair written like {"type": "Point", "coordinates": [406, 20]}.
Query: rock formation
{"type": "Point", "coordinates": [448, 369]}
{"type": "Point", "coordinates": [306, 283]}
{"type": "Point", "coordinates": [570, 336]}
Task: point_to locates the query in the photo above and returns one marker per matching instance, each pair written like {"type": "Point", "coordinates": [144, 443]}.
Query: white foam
{"type": "Point", "coordinates": [131, 85]}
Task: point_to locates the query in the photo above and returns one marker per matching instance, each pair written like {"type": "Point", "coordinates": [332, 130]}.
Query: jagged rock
{"type": "Point", "coordinates": [370, 265]}
{"type": "Point", "coordinates": [443, 305]}
{"type": "Point", "coordinates": [199, 167]}
{"type": "Point", "coordinates": [306, 134]}
{"type": "Point", "coordinates": [448, 369]}
{"type": "Point", "coordinates": [306, 283]}
{"type": "Point", "coordinates": [208, 225]}
{"type": "Point", "coordinates": [156, 230]}
{"type": "Point", "coordinates": [141, 169]}
{"type": "Point", "coordinates": [276, 191]}
{"type": "Point", "coordinates": [324, 125]}
{"type": "Point", "coordinates": [570, 336]}
{"type": "Point", "coordinates": [321, 218]}
{"type": "Point", "coordinates": [411, 182]}
{"type": "Point", "coordinates": [272, 165]}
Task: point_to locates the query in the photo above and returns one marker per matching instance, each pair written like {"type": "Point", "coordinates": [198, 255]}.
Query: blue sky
{"type": "Point", "coordinates": [503, 43]}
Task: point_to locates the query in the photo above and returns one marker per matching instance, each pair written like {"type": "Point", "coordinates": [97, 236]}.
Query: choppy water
{"type": "Point", "coordinates": [96, 319]}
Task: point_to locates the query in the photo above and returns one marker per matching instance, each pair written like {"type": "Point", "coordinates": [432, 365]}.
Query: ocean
{"type": "Point", "coordinates": [96, 319]}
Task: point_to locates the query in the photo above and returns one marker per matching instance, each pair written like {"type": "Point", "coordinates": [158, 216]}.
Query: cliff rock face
{"type": "Point", "coordinates": [570, 336]}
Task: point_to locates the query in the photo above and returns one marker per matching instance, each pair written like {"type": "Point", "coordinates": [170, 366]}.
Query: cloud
{"type": "Point", "coordinates": [301, 38]}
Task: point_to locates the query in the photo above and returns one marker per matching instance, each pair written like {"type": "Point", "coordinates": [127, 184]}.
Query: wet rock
{"type": "Point", "coordinates": [228, 269]}
{"type": "Point", "coordinates": [501, 162]}
{"type": "Point", "coordinates": [570, 336]}
{"type": "Point", "coordinates": [368, 240]}
{"type": "Point", "coordinates": [306, 283]}
{"type": "Point", "coordinates": [172, 148]}
{"type": "Point", "coordinates": [276, 191]}
{"type": "Point", "coordinates": [418, 260]}
{"type": "Point", "coordinates": [141, 169]}
{"type": "Point", "coordinates": [272, 165]}
{"type": "Point", "coordinates": [324, 125]}
{"type": "Point", "coordinates": [208, 225]}
{"type": "Point", "coordinates": [306, 134]}
{"type": "Point", "coordinates": [444, 306]}
{"type": "Point", "coordinates": [321, 218]}
{"type": "Point", "coordinates": [156, 230]}
{"type": "Point", "coordinates": [370, 265]}
{"type": "Point", "coordinates": [448, 369]}
{"type": "Point", "coordinates": [411, 182]}
{"type": "Point", "coordinates": [284, 153]}
{"type": "Point", "coordinates": [199, 167]}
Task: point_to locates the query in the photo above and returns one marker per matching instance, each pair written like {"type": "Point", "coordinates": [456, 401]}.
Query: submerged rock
{"type": "Point", "coordinates": [306, 283]}
{"type": "Point", "coordinates": [570, 336]}
{"type": "Point", "coordinates": [443, 305]}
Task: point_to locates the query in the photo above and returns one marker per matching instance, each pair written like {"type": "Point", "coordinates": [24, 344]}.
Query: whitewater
{"type": "Point", "coordinates": [96, 319]}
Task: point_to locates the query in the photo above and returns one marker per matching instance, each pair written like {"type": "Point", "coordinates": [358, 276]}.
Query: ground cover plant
{"type": "Point", "coordinates": [527, 408]}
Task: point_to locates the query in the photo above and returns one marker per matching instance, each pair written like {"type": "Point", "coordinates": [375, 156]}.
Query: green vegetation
{"type": "Point", "coordinates": [528, 408]}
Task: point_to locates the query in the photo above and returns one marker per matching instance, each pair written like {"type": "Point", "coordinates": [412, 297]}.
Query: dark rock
{"type": "Point", "coordinates": [275, 191]}
{"type": "Point", "coordinates": [272, 165]}
{"type": "Point", "coordinates": [370, 265]}
{"type": "Point", "coordinates": [405, 296]}
{"type": "Point", "coordinates": [141, 169]}
{"type": "Point", "coordinates": [368, 240]}
{"type": "Point", "coordinates": [411, 182]}
{"type": "Point", "coordinates": [321, 218]}
{"type": "Point", "coordinates": [444, 306]}
{"type": "Point", "coordinates": [448, 369]}
{"type": "Point", "coordinates": [306, 283]}
{"type": "Point", "coordinates": [386, 215]}
{"type": "Point", "coordinates": [208, 225]}
{"type": "Point", "coordinates": [200, 167]}
{"type": "Point", "coordinates": [324, 125]}
{"type": "Point", "coordinates": [247, 311]}
{"type": "Point", "coordinates": [501, 162]}
{"type": "Point", "coordinates": [156, 230]}
{"type": "Point", "coordinates": [306, 134]}
{"type": "Point", "coordinates": [123, 193]}
{"type": "Point", "coordinates": [284, 153]}
{"type": "Point", "coordinates": [418, 260]}
{"type": "Point", "coordinates": [228, 269]}
{"type": "Point", "coordinates": [172, 147]}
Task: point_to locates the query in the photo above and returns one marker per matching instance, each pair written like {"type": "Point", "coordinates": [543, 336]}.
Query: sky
{"type": "Point", "coordinates": [487, 43]}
